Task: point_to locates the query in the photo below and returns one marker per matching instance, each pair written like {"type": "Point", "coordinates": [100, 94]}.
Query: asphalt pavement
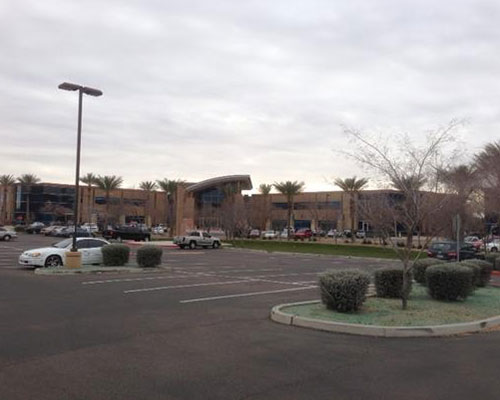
{"type": "Point", "coordinates": [200, 329]}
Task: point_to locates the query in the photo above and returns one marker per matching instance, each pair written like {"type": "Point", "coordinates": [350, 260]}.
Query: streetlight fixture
{"type": "Point", "coordinates": [91, 92]}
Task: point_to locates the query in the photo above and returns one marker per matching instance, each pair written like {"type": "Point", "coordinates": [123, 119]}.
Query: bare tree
{"type": "Point", "coordinates": [233, 212]}
{"type": "Point", "coordinates": [488, 167]}
{"type": "Point", "coordinates": [409, 168]}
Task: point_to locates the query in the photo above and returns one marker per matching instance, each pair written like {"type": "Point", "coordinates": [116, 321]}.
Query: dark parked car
{"type": "Point", "coordinates": [35, 227]}
{"type": "Point", "coordinates": [126, 232]}
{"type": "Point", "coordinates": [447, 250]}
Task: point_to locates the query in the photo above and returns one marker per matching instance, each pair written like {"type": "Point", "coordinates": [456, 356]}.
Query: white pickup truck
{"type": "Point", "coordinates": [197, 238]}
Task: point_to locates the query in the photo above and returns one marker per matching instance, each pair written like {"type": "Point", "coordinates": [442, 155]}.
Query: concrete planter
{"type": "Point", "coordinates": [282, 317]}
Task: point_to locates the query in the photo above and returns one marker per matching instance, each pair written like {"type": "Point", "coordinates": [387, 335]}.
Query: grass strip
{"type": "Point", "coordinates": [354, 250]}
{"type": "Point", "coordinates": [422, 310]}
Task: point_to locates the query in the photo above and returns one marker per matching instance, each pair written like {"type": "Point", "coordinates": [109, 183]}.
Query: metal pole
{"type": "Point", "coordinates": [77, 175]}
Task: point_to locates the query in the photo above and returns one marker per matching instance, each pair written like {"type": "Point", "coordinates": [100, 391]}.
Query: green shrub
{"type": "Point", "coordinates": [476, 271]}
{"type": "Point", "coordinates": [485, 269]}
{"type": "Point", "coordinates": [149, 256]}
{"type": "Point", "coordinates": [115, 255]}
{"type": "Point", "coordinates": [449, 282]}
{"type": "Point", "coordinates": [494, 260]}
{"type": "Point", "coordinates": [344, 291]}
{"type": "Point", "coordinates": [389, 283]}
{"type": "Point", "coordinates": [420, 266]}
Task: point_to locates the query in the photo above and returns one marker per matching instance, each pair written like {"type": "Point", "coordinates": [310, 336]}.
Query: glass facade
{"type": "Point", "coordinates": [47, 203]}
{"type": "Point", "coordinates": [211, 197]}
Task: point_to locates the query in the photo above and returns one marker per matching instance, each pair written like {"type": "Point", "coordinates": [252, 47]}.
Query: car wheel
{"type": "Point", "coordinates": [192, 245]}
{"type": "Point", "coordinates": [216, 245]}
{"type": "Point", "coordinates": [53, 261]}
{"type": "Point", "coordinates": [182, 246]}
{"type": "Point", "coordinates": [494, 249]}
{"type": "Point", "coordinates": [6, 238]}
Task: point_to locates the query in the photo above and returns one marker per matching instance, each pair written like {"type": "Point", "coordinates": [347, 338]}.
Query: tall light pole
{"type": "Point", "coordinates": [91, 92]}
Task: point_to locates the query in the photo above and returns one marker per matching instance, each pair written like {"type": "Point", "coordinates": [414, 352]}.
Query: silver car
{"type": "Point", "coordinates": [7, 234]}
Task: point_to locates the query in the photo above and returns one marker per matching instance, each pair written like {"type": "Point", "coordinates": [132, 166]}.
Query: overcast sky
{"type": "Point", "coordinates": [197, 89]}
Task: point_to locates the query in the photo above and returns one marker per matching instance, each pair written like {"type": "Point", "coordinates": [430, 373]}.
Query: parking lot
{"type": "Point", "coordinates": [199, 329]}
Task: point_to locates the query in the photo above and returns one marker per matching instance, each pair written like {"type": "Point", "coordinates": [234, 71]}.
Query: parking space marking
{"type": "Point", "coordinates": [185, 286]}
{"type": "Point", "coordinates": [148, 278]}
{"type": "Point", "coordinates": [245, 294]}
{"type": "Point", "coordinates": [252, 270]}
{"type": "Point", "coordinates": [11, 247]}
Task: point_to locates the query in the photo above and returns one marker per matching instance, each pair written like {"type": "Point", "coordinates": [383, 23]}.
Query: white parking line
{"type": "Point", "coordinates": [134, 279]}
{"type": "Point", "coordinates": [245, 294]}
{"type": "Point", "coordinates": [184, 286]}
{"type": "Point", "coordinates": [251, 270]}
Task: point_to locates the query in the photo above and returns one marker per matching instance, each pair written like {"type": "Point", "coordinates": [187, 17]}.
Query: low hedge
{"type": "Point", "coordinates": [344, 290]}
{"type": "Point", "coordinates": [494, 260]}
{"type": "Point", "coordinates": [389, 283]}
{"type": "Point", "coordinates": [115, 255]}
{"type": "Point", "coordinates": [451, 282]}
{"type": "Point", "coordinates": [149, 256]}
{"type": "Point", "coordinates": [420, 266]}
{"type": "Point", "coordinates": [485, 269]}
{"type": "Point", "coordinates": [476, 272]}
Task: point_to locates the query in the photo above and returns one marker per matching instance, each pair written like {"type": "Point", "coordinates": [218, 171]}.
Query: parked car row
{"type": "Point", "coordinates": [66, 231]}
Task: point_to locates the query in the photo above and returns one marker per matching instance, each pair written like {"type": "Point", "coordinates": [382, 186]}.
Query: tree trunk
{"type": "Point", "coordinates": [290, 205]}
{"type": "Point", "coordinates": [28, 208]}
{"type": "Point", "coordinates": [89, 211]}
{"type": "Point", "coordinates": [106, 219]}
{"type": "Point", "coordinates": [407, 270]}
{"type": "Point", "coordinates": [4, 204]}
{"type": "Point", "coordinates": [351, 204]}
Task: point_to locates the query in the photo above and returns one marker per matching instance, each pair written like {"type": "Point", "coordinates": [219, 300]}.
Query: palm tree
{"type": "Point", "coordinates": [6, 181]}
{"type": "Point", "coordinates": [148, 186]}
{"type": "Point", "coordinates": [28, 180]}
{"type": "Point", "coordinates": [89, 179]}
{"type": "Point", "coordinates": [463, 181]}
{"type": "Point", "coordinates": [351, 186]}
{"type": "Point", "coordinates": [108, 183]}
{"type": "Point", "coordinates": [169, 186]}
{"type": "Point", "coordinates": [290, 190]}
{"type": "Point", "coordinates": [265, 189]}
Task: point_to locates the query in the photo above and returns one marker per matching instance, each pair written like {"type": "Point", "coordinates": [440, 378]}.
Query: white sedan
{"type": "Point", "coordinates": [493, 246]}
{"type": "Point", "coordinates": [270, 235]}
{"type": "Point", "coordinates": [55, 256]}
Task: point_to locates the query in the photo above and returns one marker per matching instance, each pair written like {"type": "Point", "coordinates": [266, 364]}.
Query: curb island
{"type": "Point", "coordinates": [282, 317]}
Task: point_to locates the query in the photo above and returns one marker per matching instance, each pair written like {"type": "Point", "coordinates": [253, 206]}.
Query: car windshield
{"type": "Point", "coordinates": [442, 246]}
{"type": "Point", "coordinates": [63, 244]}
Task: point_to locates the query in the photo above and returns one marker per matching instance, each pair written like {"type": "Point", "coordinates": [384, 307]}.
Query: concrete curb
{"type": "Point", "coordinates": [279, 316]}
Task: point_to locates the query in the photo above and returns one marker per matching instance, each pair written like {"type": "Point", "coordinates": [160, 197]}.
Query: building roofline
{"type": "Point", "coordinates": [220, 180]}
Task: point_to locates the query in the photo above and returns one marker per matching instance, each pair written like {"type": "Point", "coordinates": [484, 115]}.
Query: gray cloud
{"type": "Point", "coordinates": [194, 89]}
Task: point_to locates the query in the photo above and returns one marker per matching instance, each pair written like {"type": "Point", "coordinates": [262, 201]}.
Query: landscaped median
{"type": "Point", "coordinates": [353, 250]}
{"type": "Point", "coordinates": [116, 258]}
{"type": "Point", "coordinates": [384, 317]}
{"type": "Point", "coordinates": [452, 298]}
